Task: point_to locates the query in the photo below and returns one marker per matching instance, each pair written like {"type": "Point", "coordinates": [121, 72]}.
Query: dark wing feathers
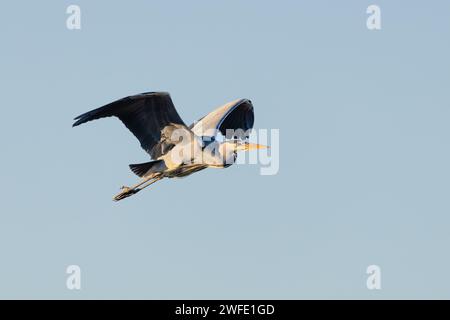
{"type": "Point", "coordinates": [236, 115]}
{"type": "Point", "coordinates": [239, 118]}
{"type": "Point", "coordinates": [145, 115]}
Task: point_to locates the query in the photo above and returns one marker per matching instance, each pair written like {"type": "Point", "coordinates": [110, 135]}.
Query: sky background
{"type": "Point", "coordinates": [364, 150]}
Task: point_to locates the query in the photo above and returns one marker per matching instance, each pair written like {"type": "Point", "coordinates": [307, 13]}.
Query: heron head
{"type": "Point", "coordinates": [230, 148]}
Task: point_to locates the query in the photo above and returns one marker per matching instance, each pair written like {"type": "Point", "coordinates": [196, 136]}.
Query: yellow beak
{"type": "Point", "coordinates": [254, 146]}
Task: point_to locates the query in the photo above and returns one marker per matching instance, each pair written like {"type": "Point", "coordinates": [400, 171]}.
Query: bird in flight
{"type": "Point", "coordinates": [178, 150]}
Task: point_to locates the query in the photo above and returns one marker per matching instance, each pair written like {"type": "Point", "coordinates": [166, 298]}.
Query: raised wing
{"type": "Point", "coordinates": [236, 115]}
{"type": "Point", "coordinates": [145, 115]}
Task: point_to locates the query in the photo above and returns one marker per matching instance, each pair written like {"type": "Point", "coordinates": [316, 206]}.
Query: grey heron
{"type": "Point", "coordinates": [178, 150]}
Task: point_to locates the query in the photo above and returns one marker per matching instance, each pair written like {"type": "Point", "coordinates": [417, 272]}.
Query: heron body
{"type": "Point", "coordinates": [176, 149]}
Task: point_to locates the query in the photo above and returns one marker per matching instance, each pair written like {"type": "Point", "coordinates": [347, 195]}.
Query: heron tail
{"type": "Point", "coordinates": [143, 169]}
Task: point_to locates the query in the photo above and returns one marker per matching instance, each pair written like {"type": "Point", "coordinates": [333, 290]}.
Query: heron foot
{"type": "Point", "coordinates": [125, 193]}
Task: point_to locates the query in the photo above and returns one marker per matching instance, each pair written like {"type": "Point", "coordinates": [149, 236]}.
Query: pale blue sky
{"type": "Point", "coordinates": [364, 170]}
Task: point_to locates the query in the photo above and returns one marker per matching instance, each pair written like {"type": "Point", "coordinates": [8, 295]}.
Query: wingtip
{"type": "Point", "coordinates": [77, 120]}
{"type": "Point", "coordinates": [77, 123]}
